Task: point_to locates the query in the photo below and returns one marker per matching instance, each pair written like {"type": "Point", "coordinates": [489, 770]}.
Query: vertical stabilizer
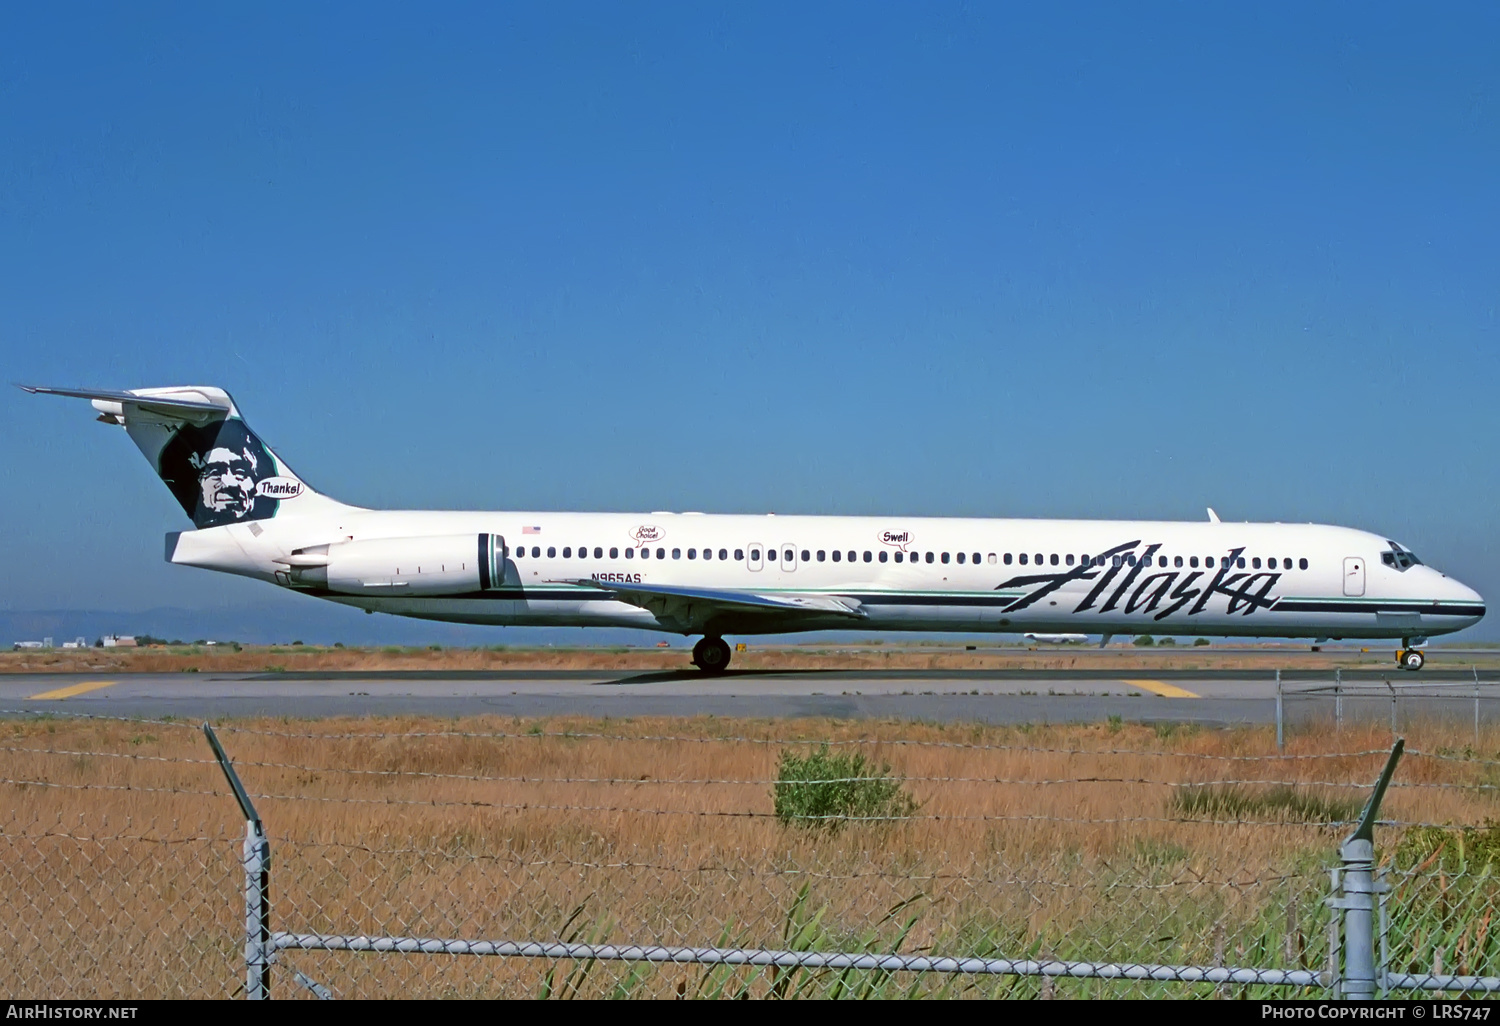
{"type": "Point", "coordinates": [215, 466]}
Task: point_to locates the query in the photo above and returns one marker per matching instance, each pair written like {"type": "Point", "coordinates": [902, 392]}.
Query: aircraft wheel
{"type": "Point", "coordinates": [711, 655]}
{"type": "Point", "coordinates": [1411, 659]}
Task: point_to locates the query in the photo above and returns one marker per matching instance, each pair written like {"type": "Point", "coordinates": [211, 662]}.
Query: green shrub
{"type": "Point", "coordinates": [1201, 641]}
{"type": "Point", "coordinates": [824, 788]}
{"type": "Point", "coordinates": [1144, 641]}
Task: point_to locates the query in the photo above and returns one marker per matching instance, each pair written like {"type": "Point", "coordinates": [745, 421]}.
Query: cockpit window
{"type": "Point", "coordinates": [1399, 558]}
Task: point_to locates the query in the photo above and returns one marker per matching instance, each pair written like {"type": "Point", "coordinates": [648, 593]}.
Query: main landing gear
{"type": "Point", "coordinates": [711, 655]}
{"type": "Point", "coordinates": [1410, 658]}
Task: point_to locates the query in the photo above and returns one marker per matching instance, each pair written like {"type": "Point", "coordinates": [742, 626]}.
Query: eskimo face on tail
{"type": "Point", "coordinates": [222, 474]}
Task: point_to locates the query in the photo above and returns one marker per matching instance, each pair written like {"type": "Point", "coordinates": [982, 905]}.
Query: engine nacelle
{"type": "Point", "coordinates": [449, 564]}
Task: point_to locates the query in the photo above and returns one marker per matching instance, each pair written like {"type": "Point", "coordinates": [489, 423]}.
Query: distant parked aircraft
{"type": "Point", "coordinates": [1057, 639]}
{"type": "Point", "coordinates": [715, 575]}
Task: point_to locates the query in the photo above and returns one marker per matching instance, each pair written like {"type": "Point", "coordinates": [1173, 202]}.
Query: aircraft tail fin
{"type": "Point", "coordinates": [215, 466]}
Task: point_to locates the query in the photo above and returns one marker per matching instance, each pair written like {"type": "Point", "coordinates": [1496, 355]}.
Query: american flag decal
{"type": "Point", "coordinates": [531, 530]}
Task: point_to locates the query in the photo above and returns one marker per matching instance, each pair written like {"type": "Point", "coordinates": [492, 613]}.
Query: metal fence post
{"type": "Point", "coordinates": [1338, 699]}
{"type": "Point", "coordinates": [257, 862]}
{"type": "Point", "coordinates": [257, 913]}
{"type": "Point", "coordinates": [1476, 707]}
{"type": "Point", "coordinates": [1357, 854]}
{"type": "Point", "coordinates": [1280, 717]}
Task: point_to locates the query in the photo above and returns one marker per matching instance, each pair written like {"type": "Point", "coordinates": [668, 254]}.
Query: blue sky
{"type": "Point", "coordinates": [1083, 260]}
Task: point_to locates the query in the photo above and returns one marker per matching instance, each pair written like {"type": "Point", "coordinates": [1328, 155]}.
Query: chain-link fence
{"type": "Point", "coordinates": [568, 859]}
{"type": "Point", "coordinates": [1466, 708]}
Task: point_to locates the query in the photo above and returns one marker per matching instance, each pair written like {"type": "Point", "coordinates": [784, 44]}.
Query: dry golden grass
{"type": "Point", "coordinates": [1062, 841]}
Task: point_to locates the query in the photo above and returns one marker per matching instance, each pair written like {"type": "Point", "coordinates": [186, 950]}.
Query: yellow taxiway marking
{"type": "Point", "coordinates": [1162, 688]}
{"type": "Point", "coordinates": [81, 688]}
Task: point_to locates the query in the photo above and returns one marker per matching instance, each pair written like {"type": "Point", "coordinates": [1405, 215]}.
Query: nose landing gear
{"type": "Point", "coordinates": [711, 655]}
{"type": "Point", "coordinates": [1410, 659]}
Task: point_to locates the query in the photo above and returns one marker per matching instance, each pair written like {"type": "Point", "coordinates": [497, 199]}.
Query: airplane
{"type": "Point", "coordinates": [716, 575]}
{"type": "Point", "coordinates": [1056, 639]}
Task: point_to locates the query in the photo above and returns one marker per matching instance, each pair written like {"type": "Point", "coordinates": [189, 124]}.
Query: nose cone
{"type": "Point", "coordinates": [1468, 604]}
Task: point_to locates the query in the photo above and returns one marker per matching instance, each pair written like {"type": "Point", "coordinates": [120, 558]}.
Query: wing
{"type": "Point", "coordinates": [692, 610]}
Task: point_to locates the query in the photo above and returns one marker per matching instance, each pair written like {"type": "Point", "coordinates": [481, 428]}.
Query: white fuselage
{"type": "Point", "coordinates": [900, 573]}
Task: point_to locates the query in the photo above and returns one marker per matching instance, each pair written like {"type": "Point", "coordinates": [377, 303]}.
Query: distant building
{"type": "Point", "coordinates": [18, 645]}
{"type": "Point", "coordinates": [118, 641]}
{"type": "Point", "coordinates": [75, 643]}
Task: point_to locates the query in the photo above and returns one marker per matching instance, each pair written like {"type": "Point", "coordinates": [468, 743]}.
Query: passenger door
{"type": "Point", "coordinates": [752, 556]}
{"type": "Point", "coordinates": [1354, 576]}
{"type": "Point", "coordinates": [788, 557]}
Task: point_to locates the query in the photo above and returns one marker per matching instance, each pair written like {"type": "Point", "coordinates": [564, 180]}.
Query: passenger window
{"type": "Point", "coordinates": [945, 557]}
{"type": "Point", "coordinates": [1240, 562]}
{"type": "Point", "coordinates": [1024, 559]}
{"type": "Point", "coordinates": [976, 557]}
{"type": "Point", "coordinates": [551, 552]}
{"type": "Point", "coordinates": [614, 553]}
{"type": "Point", "coordinates": [821, 555]}
{"type": "Point", "coordinates": [645, 553]}
{"type": "Point", "coordinates": [1007, 559]}
{"type": "Point", "coordinates": [960, 557]}
{"type": "Point", "coordinates": [1068, 559]}
{"type": "Point", "coordinates": [1038, 559]}
{"type": "Point", "coordinates": [898, 557]}
{"type": "Point", "coordinates": [1193, 562]}
{"type": "Point", "coordinates": [992, 558]}
{"type": "Point", "coordinates": [724, 554]}
{"type": "Point", "coordinates": [755, 555]}
{"type": "Point", "coordinates": [676, 553]}
{"type": "Point", "coordinates": [1119, 561]}
{"type": "Point", "coordinates": [567, 552]}
{"type": "Point", "coordinates": [837, 555]}
{"type": "Point", "coordinates": [708, 553]}
{"type": "Point", "coordinates": [806, 555]}
{"type": "Point", "coordinates": [1254, 563]}
{"type": "Point", "coordinates": [520, 552]}
{"type": "Point", "coordinates": [1286, 563]}
{"type": "Point", "coordinates": [536, 552]}
{"type": "Point", "coordinates": [630, 553]}
{"type": "Point", "coordinates": [1302, 564]}
{"type": "Point", "coordinates": [853, 555]}
{"type": "Point", "coordinates": [884, 555]}
{"type": "Point", "coordinates": [930, 557]}
{"type": "Point", "coordinates": [1054, 559]}
{"type": "Point", "coordinates": [738, 553]}
{"type": "Point", "coordinates": [692, 553]}
{"type": "Point", "coordinates": [867, 555]}
{"type": "Point", "coordinates": [1162, 561]}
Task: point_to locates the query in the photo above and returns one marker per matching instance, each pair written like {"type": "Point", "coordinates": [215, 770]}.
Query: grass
{"type": "Point", "coordinates": [1050, 844]}
{"type": "Point", "coordinates": [1237, 802]}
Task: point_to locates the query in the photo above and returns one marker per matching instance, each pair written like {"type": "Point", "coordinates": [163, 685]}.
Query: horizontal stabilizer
{"type": "Point", "coordinates": [169, 405]}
